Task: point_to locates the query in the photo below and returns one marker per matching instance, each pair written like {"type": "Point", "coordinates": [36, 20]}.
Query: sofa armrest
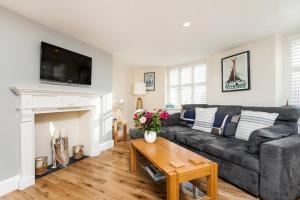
{"type": "Point", "coordinates": [173, 120]}
{"type": "Point", "coordinates": [280, 169]}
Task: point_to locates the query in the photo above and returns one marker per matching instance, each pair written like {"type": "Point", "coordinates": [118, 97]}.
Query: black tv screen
{"type": "Point", "coordinates": [62, 65]}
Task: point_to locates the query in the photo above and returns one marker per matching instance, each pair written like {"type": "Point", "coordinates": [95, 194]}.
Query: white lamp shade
{"type": "Point", "coordinates": [139, 89]}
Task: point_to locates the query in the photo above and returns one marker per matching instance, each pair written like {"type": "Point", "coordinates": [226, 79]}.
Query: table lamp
{"type": "Point", "coordinates": [139, 90]}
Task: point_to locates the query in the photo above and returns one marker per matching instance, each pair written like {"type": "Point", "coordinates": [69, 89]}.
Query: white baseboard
{"type": "Point", "coordinates": [26, 182]}
{"type": "Point", "coordinates": [9, 185]}
{"type": "Point", "coordinates": [102, 147]}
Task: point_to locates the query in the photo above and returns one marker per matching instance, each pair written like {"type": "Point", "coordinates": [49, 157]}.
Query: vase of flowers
{"type": "Point", "coordinates": [150, 122]}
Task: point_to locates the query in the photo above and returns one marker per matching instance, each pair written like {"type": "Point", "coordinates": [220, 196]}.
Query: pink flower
{"type": "Point", "coordinates": [164, 115]}
{"type": "Point", "coordinates": [149, 115]}
{"type": "Point", "coordinates": [143, 120]}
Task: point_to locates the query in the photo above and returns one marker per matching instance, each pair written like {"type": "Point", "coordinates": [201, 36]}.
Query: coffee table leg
{"type": "Point", "coordinates": [212, 183]}
{"type": "Point", "coordinates": [172, 187]}
{"type": "Point", "coordinates": [132, 158]}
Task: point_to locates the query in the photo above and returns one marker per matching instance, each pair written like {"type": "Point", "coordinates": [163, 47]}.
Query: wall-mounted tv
{"type": "Point", "coordinates": [64, 66]}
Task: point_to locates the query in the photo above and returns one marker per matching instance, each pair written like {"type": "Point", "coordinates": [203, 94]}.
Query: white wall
{"type": "Point", "coordinates": [266, 68]}
{"type": "Point", "coordinates": [153, 99]}
{"type": "Point", "coordinates": [20, 40]}
{"type": "Point", "coordinates": [125, 76]}
{"type": "Point", "coordinates": [123, 88]}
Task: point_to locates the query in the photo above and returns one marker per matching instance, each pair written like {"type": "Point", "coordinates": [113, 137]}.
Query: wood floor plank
{"type": "Point", "coordinates": [107, 177]}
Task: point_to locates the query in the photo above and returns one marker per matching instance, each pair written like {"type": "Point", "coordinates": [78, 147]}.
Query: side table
{"type": "Point", "coordinates": [115, 127]}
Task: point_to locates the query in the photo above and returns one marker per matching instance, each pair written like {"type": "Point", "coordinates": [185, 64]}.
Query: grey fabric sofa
{"type": "Point", "coordinates": [273, 174]}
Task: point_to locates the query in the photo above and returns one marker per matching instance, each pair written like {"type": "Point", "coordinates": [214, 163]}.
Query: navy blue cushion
{"type": "Point", "coordinates": [219, 118]}
{"type": "Point", "coordinates": [189, 116]}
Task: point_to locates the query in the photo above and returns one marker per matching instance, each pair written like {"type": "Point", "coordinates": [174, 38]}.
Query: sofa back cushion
{"type": "Point", "coordinates": [193, 106]}
{"type": "Point", "coordinates": [287, 115]}
{"type": "Point", "coordinates": [227, 109]}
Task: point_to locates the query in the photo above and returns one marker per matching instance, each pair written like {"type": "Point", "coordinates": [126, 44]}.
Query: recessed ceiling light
{"type": "Point", "coordinates": [186, 24]}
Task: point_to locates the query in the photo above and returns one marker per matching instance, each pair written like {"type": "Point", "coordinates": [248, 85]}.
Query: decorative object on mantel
{"type": "Point", "coordinates": [41, 165]}
{"type": "Point", "coordinates": [150, 122]}
{"type": "Point", "coordinates": [77, 152]}
{"type": "Point", "coordinates": [139, 90]}
{"type": "Point", "coordinates": [149, 80]}
{"type": "Point", "coordinates": [236, 72]}
{"type": "Point", "coordinates": [115, 128]}
{"type": "Point", "coordinates": [60, 149]}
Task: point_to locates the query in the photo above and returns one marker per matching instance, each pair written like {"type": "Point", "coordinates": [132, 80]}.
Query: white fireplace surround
{"type": "Point", "coordinates": [36, 101]}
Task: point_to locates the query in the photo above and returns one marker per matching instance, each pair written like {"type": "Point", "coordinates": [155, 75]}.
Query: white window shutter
{"type": "Point", "coordinates": [294, 76]}
{"type": "Point", "coordinates": [200, 94]}
{"type": "Point", "coordinates": [187, 84]}
{"type": "Point", "coordinates": [186, 75]}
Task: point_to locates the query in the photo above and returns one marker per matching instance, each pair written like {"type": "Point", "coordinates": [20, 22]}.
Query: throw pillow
{"type": "Point", "coordinates": [220, 122]}
{"type": "Point", "coordinates": [251, 121]}
{"type": "Point", "coordinates": [260, 136]}
{"type": "Point", "coordinates": [187, 118]}
{"type": "Point", "coordinates": [204, 119]}
{"type": "Point", "coordinates": [230, 128]}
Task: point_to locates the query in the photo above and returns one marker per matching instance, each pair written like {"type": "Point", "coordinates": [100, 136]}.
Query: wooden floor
{"type": "Point", "coordinates": [106, 177]}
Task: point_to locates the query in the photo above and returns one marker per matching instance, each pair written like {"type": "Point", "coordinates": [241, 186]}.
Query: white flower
{"type": "Point", "coordinates": [143, 120]}
{"type": "Point", "coordinates": [139, 111]}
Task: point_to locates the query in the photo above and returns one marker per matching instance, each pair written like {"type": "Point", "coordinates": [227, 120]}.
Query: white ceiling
{"type": "Point", "coordinates": [150, 32]}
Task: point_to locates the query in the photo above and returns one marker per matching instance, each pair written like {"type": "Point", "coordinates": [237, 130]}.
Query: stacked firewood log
{"type": "Point", "coordinates": [60, 149]}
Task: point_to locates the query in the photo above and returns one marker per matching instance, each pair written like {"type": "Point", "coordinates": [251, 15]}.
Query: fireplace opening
{"type": "Point", "coordinates": [60, 140]}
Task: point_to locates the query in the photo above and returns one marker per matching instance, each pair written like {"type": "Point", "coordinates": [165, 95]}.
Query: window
{"type": "Point", "coordinates": [187, 84]}
{"type": "Point", "coordinates": [294, 67]}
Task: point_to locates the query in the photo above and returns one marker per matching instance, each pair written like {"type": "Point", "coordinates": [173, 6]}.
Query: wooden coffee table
{"type": "Point", "coordinates": [179, 165]}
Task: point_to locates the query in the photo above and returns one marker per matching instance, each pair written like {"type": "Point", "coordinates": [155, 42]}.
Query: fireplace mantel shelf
{"type": "Point", "coordinates": [58, 110]}
{"type": "Point", "coordinates": [19, 90]}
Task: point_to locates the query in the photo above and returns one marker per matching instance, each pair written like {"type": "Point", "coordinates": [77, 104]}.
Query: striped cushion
{"type": "Point", "coordinates": [251, 121]}
{"type": "Point", "coordinates": [204, 119]}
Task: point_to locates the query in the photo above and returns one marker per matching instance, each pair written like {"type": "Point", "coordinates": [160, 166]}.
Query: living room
{"type": "Point", "coordinates": [150, 99]}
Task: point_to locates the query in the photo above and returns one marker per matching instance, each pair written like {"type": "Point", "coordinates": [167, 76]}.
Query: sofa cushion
{"type": "Point", "coordinates": [173, 120]}
{"type": "Point", "coordinates": [263, 135]}
{"type": "Point", "coordinates": [229, 131]}
{"type": "Point", "coordinates": [193, 106]}
{"type": "Point", "coordinates": [195, 139]}
{"type": "Point", "coordinates": [233, 150]}
{"type": "Point", "coordinates": [227, 109]}
{"type": "Point", "coordinates": [170, 131]}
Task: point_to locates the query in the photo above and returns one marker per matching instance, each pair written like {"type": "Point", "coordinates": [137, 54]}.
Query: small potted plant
{"type": "Point", "coordinates": [150, 122]}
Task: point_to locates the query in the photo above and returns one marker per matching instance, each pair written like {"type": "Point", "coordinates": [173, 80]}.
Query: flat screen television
{"type": "Point", "coordinates": [64, 66]}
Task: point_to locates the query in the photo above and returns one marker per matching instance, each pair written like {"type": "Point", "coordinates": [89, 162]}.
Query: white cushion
{"type": "Point", "coordinates": [251, 121]}
{"type": "Point", "coordinates": [204, 119]}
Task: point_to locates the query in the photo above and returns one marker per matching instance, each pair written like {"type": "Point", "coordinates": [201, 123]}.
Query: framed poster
{"type": "Point", "coordinates": [149, 79]}
{"type": "Point", "coordinates": [236, 72]}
